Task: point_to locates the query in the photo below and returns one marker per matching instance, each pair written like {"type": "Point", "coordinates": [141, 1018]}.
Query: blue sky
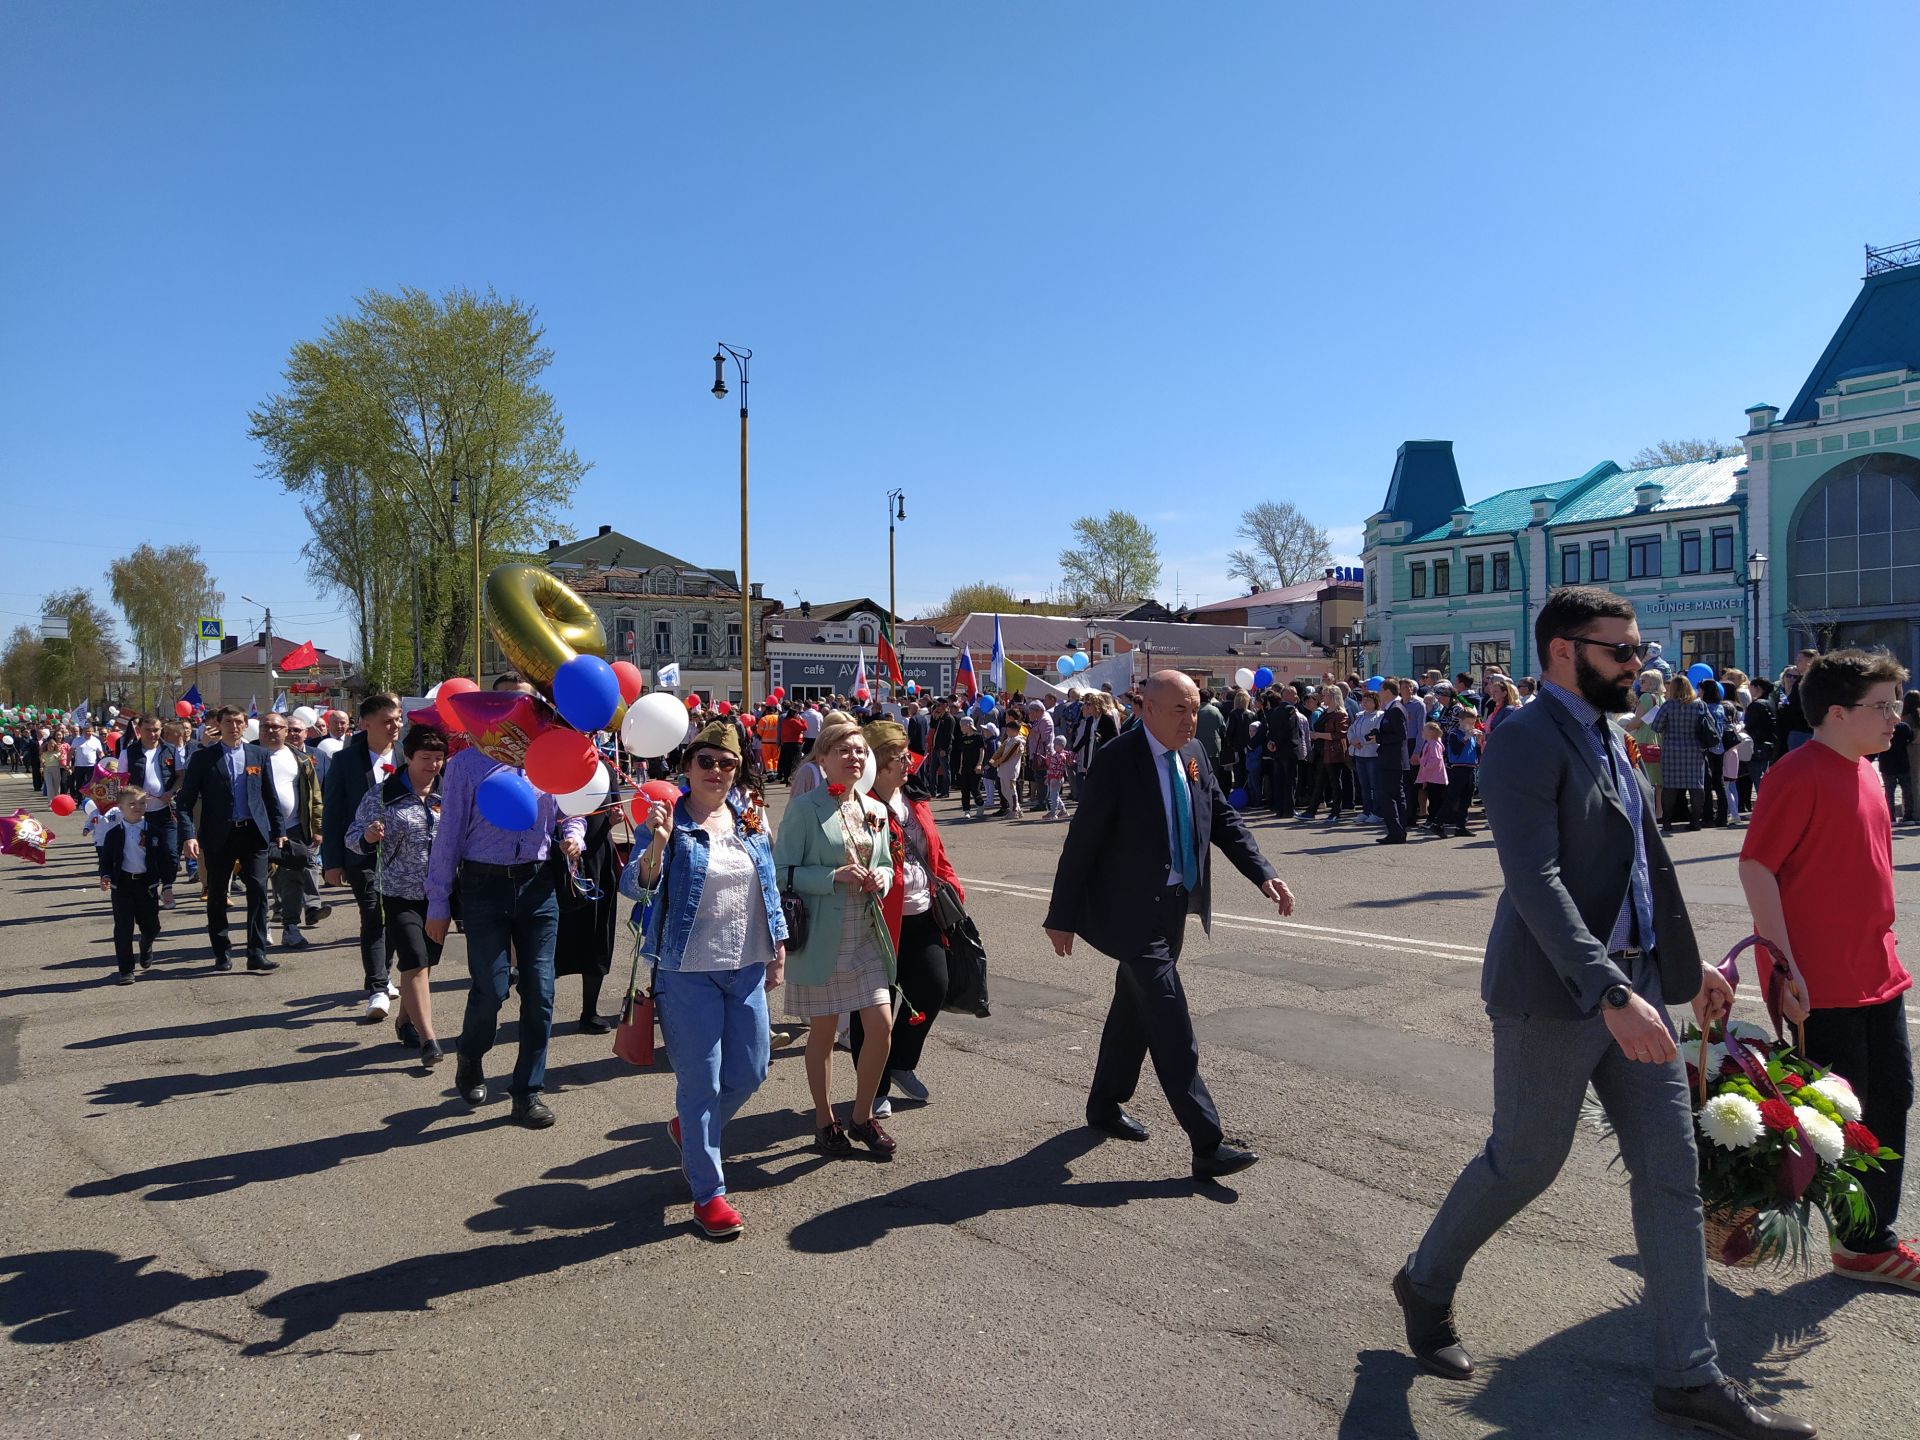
{"type": "Point", "coordinates": [1027, 261]}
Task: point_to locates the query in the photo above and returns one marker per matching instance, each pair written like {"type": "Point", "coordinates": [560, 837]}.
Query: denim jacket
{"type": "Point", "coordinates": [685, 879]}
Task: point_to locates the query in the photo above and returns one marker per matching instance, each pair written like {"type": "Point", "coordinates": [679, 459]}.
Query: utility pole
{"type": "Point", "coordinates": [268, 650]}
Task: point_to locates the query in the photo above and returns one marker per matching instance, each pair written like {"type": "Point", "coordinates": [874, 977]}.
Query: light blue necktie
{"type": "Point", "coordinates": [1183, 821]}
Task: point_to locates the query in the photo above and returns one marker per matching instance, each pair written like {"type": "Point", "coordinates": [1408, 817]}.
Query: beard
{"type": "Point", "coordinates": [1614, 696]}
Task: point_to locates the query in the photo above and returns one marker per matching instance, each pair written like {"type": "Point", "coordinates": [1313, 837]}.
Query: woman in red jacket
{"type": "Point", "coordinates": [919, 864]}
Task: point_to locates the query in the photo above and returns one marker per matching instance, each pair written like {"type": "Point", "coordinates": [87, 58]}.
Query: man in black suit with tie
{"type": "Point", "coordinates": [239, 820]}
{"type": "Point", "coordinates": [1389, 791]}
{"type": "Point", "coordinates": [1135, 865]}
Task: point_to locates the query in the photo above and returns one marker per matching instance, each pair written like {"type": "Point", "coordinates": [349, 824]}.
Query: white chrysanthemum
{"type": "Point", "coordinates": [1716, 1059]}
{"type": "Point", "coordinates": [1747, 1030]}
{"type": "Point", "coordinates": [1840, 1093]}
{"type": "Point", "coordinates": [1731, 1121]}
{"type": "Point", "coordinates": [1825, 1137]}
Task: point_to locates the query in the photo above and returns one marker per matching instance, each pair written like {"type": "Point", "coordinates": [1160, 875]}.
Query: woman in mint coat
{"type": "Point", "coordinates": [835, 850]}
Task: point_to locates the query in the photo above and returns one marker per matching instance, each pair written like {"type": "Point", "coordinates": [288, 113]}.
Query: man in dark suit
{"type": "Point", "coordinates": [1590, 941]}
{"type": "Point", "coordinates": [238, 821]}
{"type": "Point", "coordinates": [1134, 866]}
{"type": "Point", "coordinates": [1389, 792]}
{"type": "Point", "coordinates": [350, 774]}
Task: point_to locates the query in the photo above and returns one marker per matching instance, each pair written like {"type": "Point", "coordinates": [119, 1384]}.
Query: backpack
{"type": "Point", "coordinates": [1708, 733]}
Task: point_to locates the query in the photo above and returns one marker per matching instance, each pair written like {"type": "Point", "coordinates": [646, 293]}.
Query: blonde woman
{"type": "Point", "coordinates": [835, 847]}
{"type": "Point", "coordinates": [1006, 764]}
{"type": "Point", "coordinates": [1683, 764]}
{"type": "Point", "coordinates": [1653, 691]}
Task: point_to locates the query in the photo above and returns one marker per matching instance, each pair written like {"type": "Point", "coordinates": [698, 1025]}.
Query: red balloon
{"type": "Point", "coordinates": [654, 792]}
{"type": "Point", "coordinates": [632, 682]}
{"type": "Point", "coordinates": [561, 761]}
{"type": "Point", "coordinates": [779, 692]}
{"type": "Point", "coordinates": [725, 707]}
{"type": "Point", "coordinates": [693, 702]}
{"type": "Point", "coordinates": [62, 805]}
{"type": "Point", "coordinates": [458, 685]}
{"type": "Point", "coordinates": [183, 708]}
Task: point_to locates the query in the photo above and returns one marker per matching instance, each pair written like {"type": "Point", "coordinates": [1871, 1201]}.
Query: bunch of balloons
{"type": "Point", "coordinates": [1253, 679]}
{"type": "Point", "coordinates": [1072, 663]}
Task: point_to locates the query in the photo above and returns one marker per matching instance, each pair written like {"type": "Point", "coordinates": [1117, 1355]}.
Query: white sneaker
{"type": "Point", "coordinates": [378, 1007]}
{"type": "Point", "coordinates": [393, 989]}
{"type": "Point", "coordinates": [882, 1108]}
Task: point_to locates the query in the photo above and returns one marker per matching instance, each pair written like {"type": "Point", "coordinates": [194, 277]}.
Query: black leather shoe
{"type": "Point", "coordinates": [1120, 1125]}
{"type": "Point", "coordinates": [222, 962]}
{"type": "Point", "coordinates": [532, 1112]}
{"type": "Point", "coordinates": [1223, 1159]}
{"type": "Point", "coordinates": [262, 965]}
{"type": "Point", "coordinates": [1724, 1408]}
{"type": "Point", "coordinates": [405, 1032]}
{"type": "Point", "coordinates": [471, 1081]}
{"type": "Point", "coordinates": [1430, 1333]}
{"type": "Point", "coordinates": [595, 1025]}
{"type": "Point", "coordinates": [1389, 839]}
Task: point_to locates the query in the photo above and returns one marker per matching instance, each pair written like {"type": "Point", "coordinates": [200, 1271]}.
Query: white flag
{"type": "Point", "coordinates": [667, 677]}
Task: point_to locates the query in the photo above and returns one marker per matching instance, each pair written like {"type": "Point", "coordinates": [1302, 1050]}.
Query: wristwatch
{"type": "Point", "coordinates": [1617, 996]}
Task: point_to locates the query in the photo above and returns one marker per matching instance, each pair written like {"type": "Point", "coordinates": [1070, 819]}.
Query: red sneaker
{"type": "Point", "coordinates": [673, 1129]}
{"type": "Point", "coordinates": [1898, 1266]}
{"type": "Point", "coordinates": [718, 1218]}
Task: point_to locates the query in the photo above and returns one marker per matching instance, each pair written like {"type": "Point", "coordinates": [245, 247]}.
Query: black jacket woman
{"type": "Point", "coordinates": [589, 910]}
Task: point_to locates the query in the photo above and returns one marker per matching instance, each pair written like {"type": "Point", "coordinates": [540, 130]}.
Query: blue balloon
{"type": "Point", "coordinates": [1374, 682]}
{"type": "Point", "coordinates": [1064, 665]}
{"type": "Point", "coordinates": [586, 692]}
{"type": "Point", "coordinates": [507, 800]}
{"type": "Point", "coordinates": [1081, 660]}
{"type": "Point", "coordinates": [1263, 677]}
{"type": "Point", "coordinates": [1699, 671]}
{"type": "Point", "coordinates": [985, 705]}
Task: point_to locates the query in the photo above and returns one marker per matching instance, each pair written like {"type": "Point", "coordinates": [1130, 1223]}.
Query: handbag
{"type": "Point", "coordinates": [633, 1037]}
{"type": "Point", "coordinates": [966, 968]}
{"type": "Point", "coordinates": [793, 906]}
{"type": "Point", "coordinates": [1707, 734]}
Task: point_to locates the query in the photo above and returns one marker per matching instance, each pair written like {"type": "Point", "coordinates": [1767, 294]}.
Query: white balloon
{"type": "Point", "coordinates": [589, 797]}
{"type": "Point", "coordinates": [655, 724]}
{"type": "Point", "coordinates": [864, 785]}
{"type": "Point", "coordinates": [1243, 677]}
{"type": "Point", "coordinates": [306, 715]}
{"type": "Point", "coordinates": [6, 739]}
{"type": "Point", "coordinates": [252, 732]}
{"type": "Point", "coordinates": [432, 691]}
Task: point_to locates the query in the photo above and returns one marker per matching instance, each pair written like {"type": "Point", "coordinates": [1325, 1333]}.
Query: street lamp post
{"type": "Point", "coordinates": [1756, 577]}
{"type": "Point", "coordinates": [740, 359]}
{"type": "Point", "coordinates": [896, 510]}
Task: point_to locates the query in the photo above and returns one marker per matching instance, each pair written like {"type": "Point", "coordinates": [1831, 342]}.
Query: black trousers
{"type": "Point", "coordinates": [1149, 1016]}
{"type": "Point", "coordinates": [1868, 1047]}
{"type": "Point", "coordinates": [136, 904]}
{"type": "Point", "coordinates": [245, 846]}
{"type": "Point", "coordinates": [1460, 781]}
{"type": "Point", "coordinates": [1283, 772]}
{"type": "Point", "coordinates": [1390, 801]}
{"type": "Point", "coordinates": [923, 980]}
{"type": "Point", "coordinates": [373, 931]}
{"type": "Point", "coordinates": [970, 789]}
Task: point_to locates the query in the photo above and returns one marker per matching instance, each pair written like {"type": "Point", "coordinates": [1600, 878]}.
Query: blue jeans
{"type": "Point", "coordinates": [510, 910]}
{"type": "Point", "coordinates": [1541, 1069]}
{"type": "Point", "coordinates": [715, 1026]}
{"type": "Point", "coordinates": [1364, 767]}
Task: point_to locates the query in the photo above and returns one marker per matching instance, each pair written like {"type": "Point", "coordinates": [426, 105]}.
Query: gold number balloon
{"type": "Point", "coordinates": [540, 622]}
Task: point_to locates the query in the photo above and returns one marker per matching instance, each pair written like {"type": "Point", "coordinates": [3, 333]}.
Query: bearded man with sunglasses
{"type": "Point", "coordinates": [1590, 942]}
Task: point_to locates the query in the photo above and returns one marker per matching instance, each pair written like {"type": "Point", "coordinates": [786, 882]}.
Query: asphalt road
{"type": "Point", "coordinates": [231, 1210]}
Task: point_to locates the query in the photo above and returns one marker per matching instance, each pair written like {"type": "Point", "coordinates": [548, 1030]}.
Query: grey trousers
{"type": "Point", "coordinates": [1541, 1069]}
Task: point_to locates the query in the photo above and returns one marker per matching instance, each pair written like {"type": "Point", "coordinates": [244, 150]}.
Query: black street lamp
{"type": "Point", "coordinates": [1756, 577]}
{"type": "Point", "coordinates": [740, 359]}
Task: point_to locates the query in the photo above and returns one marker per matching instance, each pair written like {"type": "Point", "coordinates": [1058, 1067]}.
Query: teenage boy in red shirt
{"type": "Point", "coordinates": [1817, 867]}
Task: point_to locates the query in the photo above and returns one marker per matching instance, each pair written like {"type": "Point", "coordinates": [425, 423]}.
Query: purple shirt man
{"type": "Point", "coordinates": [465, 834]}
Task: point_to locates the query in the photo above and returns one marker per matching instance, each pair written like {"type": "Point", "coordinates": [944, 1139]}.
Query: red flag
{"type": "Point", "coordinates": [891, 660]}
{"type": "Point", "coordinates": [302, 657]}
{"type": "Point", "coordinates": [964, 677]}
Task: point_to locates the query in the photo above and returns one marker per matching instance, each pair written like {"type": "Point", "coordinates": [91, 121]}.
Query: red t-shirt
{"type": "Point", "coordinates": [792, 730]}
{"type": "Point", "coordinates": [1821, 825]}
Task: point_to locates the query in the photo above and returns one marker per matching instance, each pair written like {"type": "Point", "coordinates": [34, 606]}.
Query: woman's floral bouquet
{"type": "Point", "coordinates": [1779, 1139]}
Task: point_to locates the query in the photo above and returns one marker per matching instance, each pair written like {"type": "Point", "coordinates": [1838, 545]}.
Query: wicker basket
{"type": "Point", "coordinates": [1722, 1227]}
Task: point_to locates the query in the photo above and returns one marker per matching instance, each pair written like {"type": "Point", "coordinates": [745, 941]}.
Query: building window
{"type": "Point", "coordinates": [1569, 564]}
{"type": "Point", "coordinates": [1723, 547]}
{"type": "Point", "coordinates": [1106, 648]}
{"type": "Point", "coordinates": [1429, 657]}
{"type": "Point", "coordinates": [1502, 564]}
{"type": "Point", "coordinates": [699, 647]}
{"type": "Point", "coordinates": [1417, 577]}
{"type": "Point", "coordinates": [1707, 647]}
{"type": "Point", "coordinates": [1643, 557]}
{"type": "Point", "coordinates": [733, 639]}
{"type": "Point", "coordinates": [1442, 577]}
{"type": "Point", "coordinates": [1369, 586]}
{"type": "Point", "coordinates": [624, 640]}
{"type": "Point", "coordinates": [1476, 574]}
{"type": "Point", "coordinates": [1689, 552]}
{"type": "Point", "coordinates": [1485, 655]}
{"type": "Point", "coordinates": [1600, 562]}
{"type": "Point", "coordinates": [663, 637]}
{"type": "Point", "coordinates": [1856, 540]}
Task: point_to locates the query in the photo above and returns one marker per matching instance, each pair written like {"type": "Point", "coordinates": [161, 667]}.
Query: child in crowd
{"type": "Point", "coordinates": [1431, 775]}
{"type": "Point", "coordinates": [1059, 765]}
{"type": "Point", "coordinates": [136, 889]}
{"type": "Point", "coordinates": [1817, 868]}
{"type": "Point", "coordinates": [1730, 778]}
{"type": "Point", "coordinates": [94, 827]}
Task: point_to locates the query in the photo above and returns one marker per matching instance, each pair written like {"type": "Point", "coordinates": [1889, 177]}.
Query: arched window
{"type": "Point", "coordinates": [866, 634]}
{"type": "Point", "coordinates": [1856, 540]}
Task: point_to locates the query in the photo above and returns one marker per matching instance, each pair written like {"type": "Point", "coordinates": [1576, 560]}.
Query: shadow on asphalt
{"type": "Point", "coordinates": [1595, 1378]}
{"type": "Point", "coordinates": [1388, 902]}
{"type": "Point", "coordinates": [55, 1296]}
{"type": "Point", "coordinates": [1039, 1177]}
{"type": "Point", "coordinates": [293, 1015]}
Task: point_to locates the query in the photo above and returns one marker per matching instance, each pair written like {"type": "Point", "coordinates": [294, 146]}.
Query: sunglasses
{"type": "Point", "coordinates": [716, 762]}
{"type": "Point", "coordinates": [1621, 653]}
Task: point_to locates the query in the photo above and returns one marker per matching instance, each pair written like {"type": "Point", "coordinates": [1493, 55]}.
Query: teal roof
{"type": "Point", "coordinates": [1690, 486]}
{"type": "Point", "coordinates": [1603, 493]}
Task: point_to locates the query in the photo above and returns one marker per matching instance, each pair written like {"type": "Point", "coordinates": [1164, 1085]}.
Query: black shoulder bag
{"type": "Point", "coordinates": [793, 905]}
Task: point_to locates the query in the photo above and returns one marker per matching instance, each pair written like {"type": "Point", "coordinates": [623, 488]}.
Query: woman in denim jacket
{"type": "Point", "coordinates": [721, 945]}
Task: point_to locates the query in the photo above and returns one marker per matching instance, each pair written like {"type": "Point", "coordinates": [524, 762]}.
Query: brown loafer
{"type": "Point", "coordinates": [832, 1139]}
{"type": "Point", "coordinates": [874, 1138]}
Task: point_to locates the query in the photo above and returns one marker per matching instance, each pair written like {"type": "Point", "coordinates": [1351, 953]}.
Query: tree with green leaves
{"type": "Point", "coordinates": [1117, 559]}
{"type": "Point", "coordinates": [1287, 548]}
{"type": "Point", "coordinates": [21, 668]}
{"type": "Point", "coordinates": [75, 667]}
{"type": "Point", "coordinates": [162, 593]}
{"type": "Point", "coordinates": [375, 421]}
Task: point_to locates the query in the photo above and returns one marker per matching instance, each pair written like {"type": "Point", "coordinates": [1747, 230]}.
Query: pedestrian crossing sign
{"type": "Point", "coordinates": [212, 628]}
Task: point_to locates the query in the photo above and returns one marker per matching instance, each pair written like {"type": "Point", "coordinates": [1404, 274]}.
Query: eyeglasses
{"type": "Point", "coordinates": [1622, 652]}
{"type": "Point", "coordinates": [1888, 708]}
{"type": "Point", "coordinates": [716, 762]}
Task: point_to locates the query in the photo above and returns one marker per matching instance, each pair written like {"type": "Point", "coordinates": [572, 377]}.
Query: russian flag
{"type": "Point", "coordinates": [964, 677]}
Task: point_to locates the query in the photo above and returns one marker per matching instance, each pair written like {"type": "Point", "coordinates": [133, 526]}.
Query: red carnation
{"type": "Point", "coordinates": [1777, 1115]}
{"type": "Point", "coordinates": [1860, 1138]}
{"type": "Point", "coordinates": [1791, 1082]}
{"type": "Point", "coordinates": [1730, 1068]}
{"type": "Point", "coordinates": [836, 790]}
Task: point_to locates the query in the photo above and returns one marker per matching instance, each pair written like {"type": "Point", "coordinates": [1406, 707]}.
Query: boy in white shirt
{"type": "Point", "coordinates": [136, 895]}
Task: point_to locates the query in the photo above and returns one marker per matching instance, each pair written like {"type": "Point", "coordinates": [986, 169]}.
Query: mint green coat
{"type": "Point", "coordinates": [811, 844]}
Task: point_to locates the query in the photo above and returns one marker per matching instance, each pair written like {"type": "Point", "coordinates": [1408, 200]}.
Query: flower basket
{"type": "Point", "coordinates": [1730, 1237]}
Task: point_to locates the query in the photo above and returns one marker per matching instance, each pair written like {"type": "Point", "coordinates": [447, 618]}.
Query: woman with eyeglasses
{"type": "Point", "coordinates": [835, 847]}
{"type": "Point", "coordinates": [718, 940]}
{"type": "Point", "coordinates": [1683, 763]}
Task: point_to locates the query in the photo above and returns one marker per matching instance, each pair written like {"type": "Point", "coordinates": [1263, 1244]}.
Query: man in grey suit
{"type": "Point", "coordinates": [1582, 959]}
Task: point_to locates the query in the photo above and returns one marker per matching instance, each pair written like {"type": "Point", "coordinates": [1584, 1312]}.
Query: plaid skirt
{"type": "Point", "coordinates": [859, 977]}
